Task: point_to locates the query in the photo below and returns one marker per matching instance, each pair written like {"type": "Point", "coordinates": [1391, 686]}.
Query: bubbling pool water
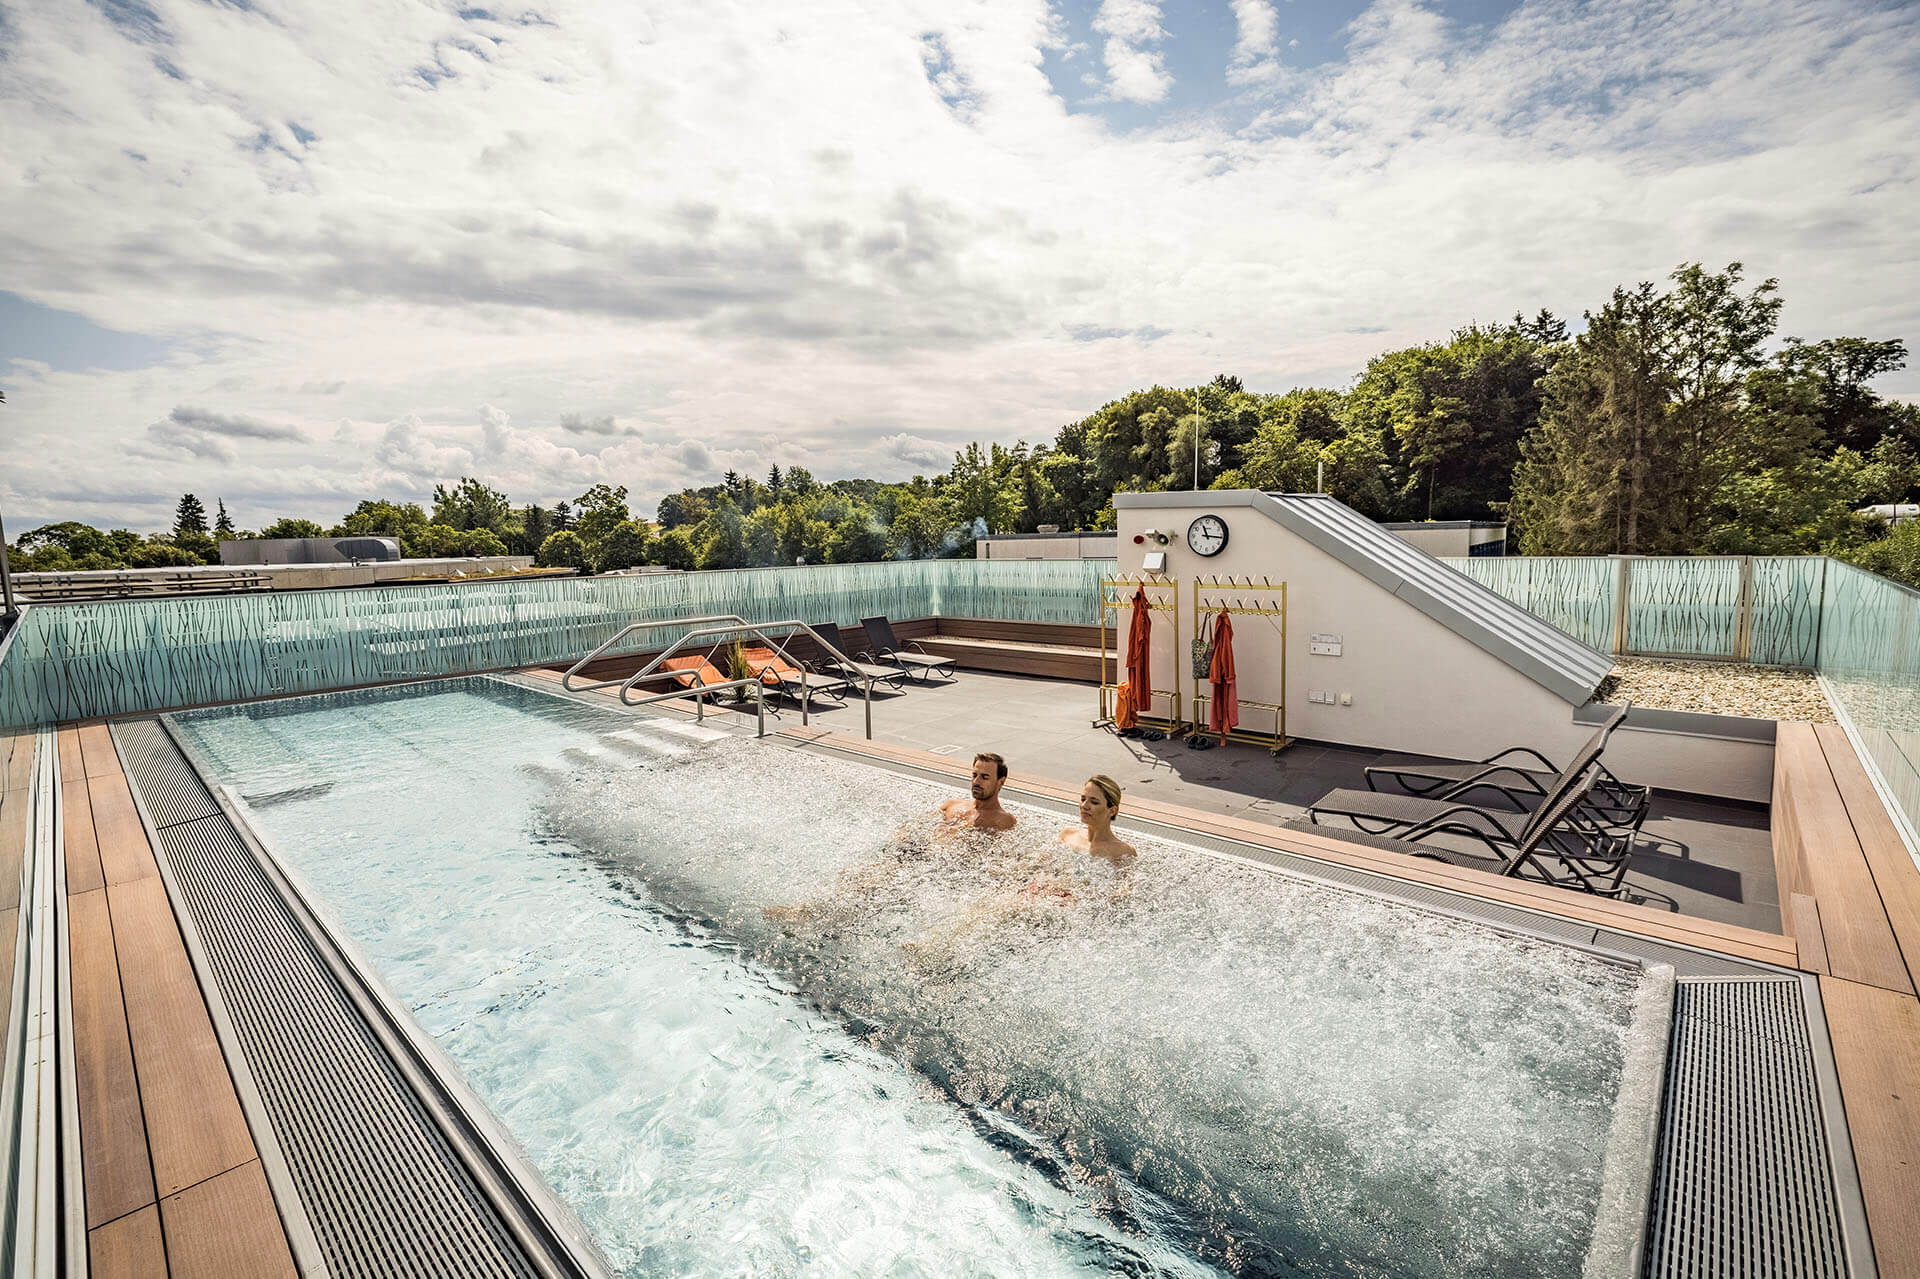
{"type": "Point", "coordinates": [1320, 1081]}
{"type": "Point", "coordinates": [647, 957]}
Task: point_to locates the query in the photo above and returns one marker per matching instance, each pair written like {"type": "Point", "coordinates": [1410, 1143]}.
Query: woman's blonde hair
{"type": "Point", "coordinates": [1108, 788]}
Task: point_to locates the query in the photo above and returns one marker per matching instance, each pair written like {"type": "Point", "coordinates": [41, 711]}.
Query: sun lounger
{"type": "Point", "coordinates": [883, 647]}
{"type": "Point", "coordinates": [1522, 776]}
{"type": "Point", "coordinates": [803, 648]}
{"type": "Point", "coordinates": [1499, 828]}
{"type": "Point", "coordinates": [1557, 848]}
{"type": "Point", "coordinates": [694, 672]}
{"type": "Point", "coordinates": [778, 673]}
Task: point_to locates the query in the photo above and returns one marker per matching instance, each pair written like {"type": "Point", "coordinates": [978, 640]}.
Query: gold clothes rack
{"type": "Point", "coordinates": [1112, 600]}
{"type": "Point", "coordinates": [1243, 597]}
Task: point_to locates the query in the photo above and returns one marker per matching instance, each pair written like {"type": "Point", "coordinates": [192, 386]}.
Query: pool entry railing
{"type": "Point", "coordinates": [710, 628]}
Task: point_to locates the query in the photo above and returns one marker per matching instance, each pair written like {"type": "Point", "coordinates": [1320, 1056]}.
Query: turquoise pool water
{"type": "Point", "coordinates": [908, 1069]}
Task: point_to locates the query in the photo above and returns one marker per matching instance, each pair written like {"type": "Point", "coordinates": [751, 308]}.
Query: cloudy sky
{"type": "Point", "coordinates": [290, 255]}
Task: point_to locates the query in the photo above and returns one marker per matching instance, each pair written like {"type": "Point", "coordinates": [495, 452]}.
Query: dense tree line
{"type": "Point", "coordinates": [1664, 428]}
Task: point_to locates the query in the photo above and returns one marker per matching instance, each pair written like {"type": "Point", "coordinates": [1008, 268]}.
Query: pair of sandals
{"type": "Point", "coordinates": [1197, 742]}
{"type": "Point", "coordinates": [1144, 734]}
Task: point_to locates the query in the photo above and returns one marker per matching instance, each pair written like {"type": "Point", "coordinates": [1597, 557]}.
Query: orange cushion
{"type": "Point", "coordinates": [684, 669]}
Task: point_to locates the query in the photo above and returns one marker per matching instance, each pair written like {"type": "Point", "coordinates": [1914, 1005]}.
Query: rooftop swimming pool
{"type": "Point", "coordinates": [748, 1013]}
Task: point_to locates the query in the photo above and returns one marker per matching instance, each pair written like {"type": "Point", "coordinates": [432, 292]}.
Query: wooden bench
{"type": "Point", "coordinates": [1849, 891]}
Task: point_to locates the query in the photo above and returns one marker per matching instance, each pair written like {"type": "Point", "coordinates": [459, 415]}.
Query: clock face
{"type": "Point", "coordinates": [1207, 535]}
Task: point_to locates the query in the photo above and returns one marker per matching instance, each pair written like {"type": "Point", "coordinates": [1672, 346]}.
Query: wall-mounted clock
{"type": "Point", "coordinates": [1207, 535]}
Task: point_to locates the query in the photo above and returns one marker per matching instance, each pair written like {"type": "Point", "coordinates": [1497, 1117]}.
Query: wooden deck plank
{"type": "Point", "coordinates": [1802, 915]}
{"type": "Point", "coordinates": [96, 749]}
{"type": "Point", "coordinates": [1894, 874]}
{"type": "Point", "coordinates": [73, 766]}
{"type": "Point", "coordinates": [1746, 943]}
{"type": "Point", "coordinates": [13, 844]}
{"type": "Point", "coordinates": [226, 1228]}
{"type": "Point", "coordinates": [1876, 1048]}
{"type": "Point", "coordinates": [81, 847]}
{"type": "Point", "coordinates": [195, 1129]}
{"type": "Point", "coordinates": [19, 771]}
{"type": "Point", "coordinates": [1853, 922]}
{"type": "Point", "coordinates": [113, 1135]}
{"type": "Point", "coordinates": [9, 921]}
{"type": "Point", "coordinates": [128, 1248]}
{"type": "Point", "coordinates": [125, 855]}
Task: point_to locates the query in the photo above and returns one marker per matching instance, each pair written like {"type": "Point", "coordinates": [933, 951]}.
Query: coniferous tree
{"type": "Point", "coordinates": [190, 516]}
{"type": "Point", "coordinates": [223, 523]}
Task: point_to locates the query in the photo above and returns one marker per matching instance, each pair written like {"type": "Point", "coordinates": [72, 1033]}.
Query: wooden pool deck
{"type": "Point", "coordinates": [174, 1185]}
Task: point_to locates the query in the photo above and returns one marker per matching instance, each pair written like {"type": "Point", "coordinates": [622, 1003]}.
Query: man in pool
{"type": "Point", "coordinates": [982, 811]}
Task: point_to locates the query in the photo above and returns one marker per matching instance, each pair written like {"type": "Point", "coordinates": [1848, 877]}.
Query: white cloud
{"type": "Point", "coordinates": [1257, 43]}
{"type": "Point", "coordinates": [743, 239]}
{"type": "Point", "coordinates": [917, 450]}
{"type": "Point", "coordinates": [1136, 72]}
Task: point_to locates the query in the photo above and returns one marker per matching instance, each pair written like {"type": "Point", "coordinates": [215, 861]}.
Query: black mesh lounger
{"type": "Point", "coordinates": [1557, 849]}
{"type": "Point", "coordinates": [1521, 775]}
{"type": "Point", "coordinates": [882, 646]}
{"type": "Point", "coordinates": [1409, 816]}
{"type": "Point", "coordinates": [807, 650]}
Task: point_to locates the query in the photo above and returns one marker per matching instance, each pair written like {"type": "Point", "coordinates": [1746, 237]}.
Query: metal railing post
{"type": "Point", "coordinates": [759, 709]}
{"type": "Point", "coordinates": [1743, 613]}
{"type": "Point", "coordinates": [869, 708]}
{"type": "Point", "coordinates": [1622, 591]}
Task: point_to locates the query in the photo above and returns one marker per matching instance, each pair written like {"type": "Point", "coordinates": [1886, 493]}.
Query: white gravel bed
{"type": "Point", "coordinates": [1717, 688]}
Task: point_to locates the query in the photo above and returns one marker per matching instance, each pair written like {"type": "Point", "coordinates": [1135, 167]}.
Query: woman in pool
{"type": "Point", "coordinates": [1111, 857]}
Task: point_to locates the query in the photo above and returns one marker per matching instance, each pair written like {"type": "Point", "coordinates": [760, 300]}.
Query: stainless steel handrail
{"type": "Point", "coordinates": [713, 628]}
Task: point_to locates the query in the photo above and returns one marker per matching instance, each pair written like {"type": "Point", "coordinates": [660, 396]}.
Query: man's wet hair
{"type": "Point", "coordinates": [999, 765]}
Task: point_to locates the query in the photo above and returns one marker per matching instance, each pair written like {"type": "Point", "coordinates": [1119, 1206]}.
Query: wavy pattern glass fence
{"type": "Point", "coordinates": [1870, 656]}
{"type": "Point", "coordinates": [1573, 592]}
{"type": "Point", "coordinates": [1688, 607]}
{"type": "Point", "coordinates": [74, 661]}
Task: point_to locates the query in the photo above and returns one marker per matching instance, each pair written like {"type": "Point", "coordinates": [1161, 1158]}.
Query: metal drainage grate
{"type": "Point", "coordinates": [1742, 1184]}
{"type": "Point", "coordinates": [386, 1191]}
{"type": "Point", "coordinates": [167, 783]}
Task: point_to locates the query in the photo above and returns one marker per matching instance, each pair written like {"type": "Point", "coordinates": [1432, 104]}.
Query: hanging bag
{"type": "Point", "coordinates": [1203, 650]}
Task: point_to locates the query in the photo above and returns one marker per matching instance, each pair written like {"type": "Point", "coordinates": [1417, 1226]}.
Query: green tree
{"type": "Point", "coordinates": [1594, 478]}
{"type": "Point", "coordinates": [199, 545]}
{"type": "Point", "coordinates": [761, 538]}
{"type": "Point", "coordinates": [721, 537]}
{"type": "Point", "coordinates": [223, 523]}
{"type": "Point", "coordinates": [563, 550]}
{"type": "Point", "coordinates": [858, 539]}
{"type": "Point", "coordinates": [681, 510]}
{"type": "Point", "coordinates": [531, 527]}
{"type": "Point", "coordinates": [673, 549]}
{"type": "Point", "coordinates": [980, 492]}
{"type": "Point", "coordinates": [190, 516]}
{"type": "Point", "coordinates": [290, 528]}
{"type": "Point", "coordinates": [403, 521]}
{"type": "Point", "coordinates": [597, 512]}
{"type": "Point", "coordinates": [562, 517]}
{"type": "Point", "coordinates": [471, 504]}
{"type": "Point", "coordinates": [161, 553]}
{"type": "Point", "coordinates": [1715, 339]}
{"type": "Point", "coordinates": [626, 545]}
{"type": "Point", "coordinates": [1449, 417]}
{"type": "Point", "coordinates": [1895, 555]}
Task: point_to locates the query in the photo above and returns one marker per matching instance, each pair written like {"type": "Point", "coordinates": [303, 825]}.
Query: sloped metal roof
{"type": "Point", "coordinates": [1537, 649]}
